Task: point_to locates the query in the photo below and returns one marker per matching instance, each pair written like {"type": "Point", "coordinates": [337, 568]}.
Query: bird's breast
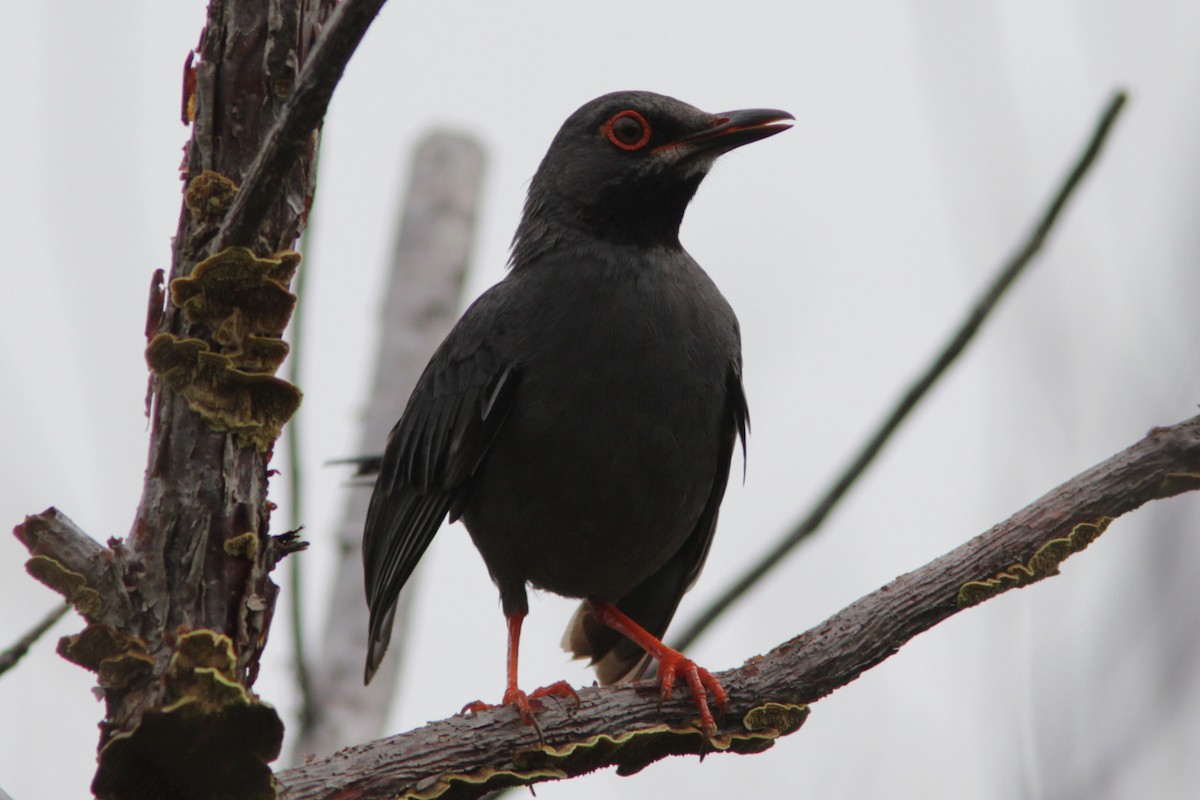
{"type": "Point", "coordinates": [606, 460]}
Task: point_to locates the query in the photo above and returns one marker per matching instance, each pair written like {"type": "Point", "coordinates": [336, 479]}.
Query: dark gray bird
{"type": "Point", "coordinates": [580, 418]}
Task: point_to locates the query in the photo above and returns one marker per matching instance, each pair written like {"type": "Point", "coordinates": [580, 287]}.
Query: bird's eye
{"type": "Point", "coordinates": [627, 130]}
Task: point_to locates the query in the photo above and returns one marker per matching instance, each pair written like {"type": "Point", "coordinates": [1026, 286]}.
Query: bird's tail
{"type": "Point", "coordinates": [614, 657]}
{"type": "Point", "coordinates": [380, 635]}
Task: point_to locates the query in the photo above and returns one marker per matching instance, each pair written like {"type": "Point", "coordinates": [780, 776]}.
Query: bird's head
{"type": "Point", "coordinates": [625, 165]}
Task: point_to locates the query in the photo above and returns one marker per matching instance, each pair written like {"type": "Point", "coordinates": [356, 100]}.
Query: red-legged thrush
{"type": "Point", "coordinates": [581, 417]}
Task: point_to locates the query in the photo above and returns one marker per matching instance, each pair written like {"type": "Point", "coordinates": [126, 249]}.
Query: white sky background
{"type": "Point", "coordinates": [928, 135]}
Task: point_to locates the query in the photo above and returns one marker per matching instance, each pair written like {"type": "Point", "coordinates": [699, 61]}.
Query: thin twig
{"type": "Point", "coordinates": [957, 344]}
{"type": "Point", "coordinates": [296, 493]}
{"type": "Point", "coordinates": [304, 110]}
{"type": "Point", "coordinates": [10, 657]}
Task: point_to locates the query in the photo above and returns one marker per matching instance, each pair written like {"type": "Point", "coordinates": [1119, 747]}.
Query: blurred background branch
{"type": "Point", "coordinates": [13, 654]}
{"type": "Point", "coordinates": [970, 325]}
{"type": "Point", "coordinates": [421, 302]}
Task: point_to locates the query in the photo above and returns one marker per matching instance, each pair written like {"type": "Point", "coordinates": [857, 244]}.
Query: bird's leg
{"type": "Point", "coordinates": [670, 663]}
{"type": "Point", "coordinates": [513, 696]}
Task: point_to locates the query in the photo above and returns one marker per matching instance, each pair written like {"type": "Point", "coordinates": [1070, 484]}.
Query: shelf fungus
{"type": "Point", "coordinates": [630, 751]}
{"type": "Point", "coordinates": [209, 719]}
{"type": "Point", "coordinates": [243, 304]}
{"type": "Point", "coordinates": [209, 195]}
{"type": "Point", "coordinates": [118, 659]}
{"type": "Point", "coordinates": [1043, 564]}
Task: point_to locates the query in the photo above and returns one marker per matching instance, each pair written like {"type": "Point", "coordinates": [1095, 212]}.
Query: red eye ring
{"type": "Point", "coordinates": [626, 141]}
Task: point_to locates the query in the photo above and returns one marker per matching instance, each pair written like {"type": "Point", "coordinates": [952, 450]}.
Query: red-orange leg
{"type": "Point", "coordinates": [670, 663]}
{"type": "Point", "coordinates": [513, 696]}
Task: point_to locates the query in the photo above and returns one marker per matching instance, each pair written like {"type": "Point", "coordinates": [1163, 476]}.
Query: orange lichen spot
{"type": "Point", "coordinates": [187, 111]}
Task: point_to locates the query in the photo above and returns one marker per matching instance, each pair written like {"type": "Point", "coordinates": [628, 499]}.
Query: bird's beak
{"type": "Point", "coordinates": [733, 129]}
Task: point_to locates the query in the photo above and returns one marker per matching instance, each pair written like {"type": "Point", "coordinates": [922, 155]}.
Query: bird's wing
{"type": "Point", "coordinates": [652, 603]}
{"type": "Point", "coordinates": [457, 406]}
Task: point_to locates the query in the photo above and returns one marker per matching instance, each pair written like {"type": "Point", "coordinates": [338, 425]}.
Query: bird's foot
{"type": "Point", "coordinates": [672, 663]}
{"type": "Point", "coordinates": [526, 704]}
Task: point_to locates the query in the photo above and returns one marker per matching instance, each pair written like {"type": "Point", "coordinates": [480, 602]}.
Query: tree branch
{"type": "Point", "coordinates": [178, 613]}
{"type": "Point", "coordinates": [299, 117]}
{"type": "Point", "coordinates": [970, 325]}
{"type": "Point", "coordinates": [11, 656]}
{"type": "Point", "coordinates": [622, 726]}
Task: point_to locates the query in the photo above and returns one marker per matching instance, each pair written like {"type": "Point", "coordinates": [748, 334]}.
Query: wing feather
{"type": "Point", "coordinates": [456, 408]}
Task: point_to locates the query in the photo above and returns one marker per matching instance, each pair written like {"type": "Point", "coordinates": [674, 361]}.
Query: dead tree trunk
{"type": "Point", "coordinates": [178, 613]}
{"type": "Point", "coordinates": [422, 301]}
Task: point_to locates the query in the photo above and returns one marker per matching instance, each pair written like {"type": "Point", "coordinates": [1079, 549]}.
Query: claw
{"type": "Point", "coordinates": [526, 704]}
{"type": "Point", "coordinates": [699, 680]}
{"type": "Point", "coordinates": [671, 662]}
{"type": "Point", "coordinates": [557, 689]}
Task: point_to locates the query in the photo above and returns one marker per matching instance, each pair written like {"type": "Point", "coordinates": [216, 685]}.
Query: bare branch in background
{"type": "Point", "coordinates": [295, 478]}
{"type": "Point", "coordinates": [970, 325]}
{"type": "Point", "coordinates": [623, 725]}
{"type": "Point", "coordinates": [10, 657]}
{"type": "Point", "coordinates": [429, 263]}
